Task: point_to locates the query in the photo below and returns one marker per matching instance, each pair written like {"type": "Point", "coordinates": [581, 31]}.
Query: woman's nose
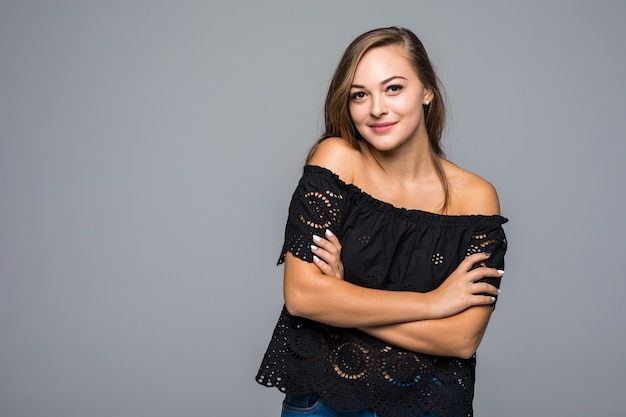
{"type": "Point", "coordinates": [378, 107]}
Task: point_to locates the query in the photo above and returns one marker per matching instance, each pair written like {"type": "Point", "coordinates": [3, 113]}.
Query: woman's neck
{"type": "Point", "coordinates": [410, 163]}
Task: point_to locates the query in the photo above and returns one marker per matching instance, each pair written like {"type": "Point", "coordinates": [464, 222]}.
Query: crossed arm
{"type": "Point", "coordinates": [448, 321]}
{"type": "Point", "coordinates": [457, 335]}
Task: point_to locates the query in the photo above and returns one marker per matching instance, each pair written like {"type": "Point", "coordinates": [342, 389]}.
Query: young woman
{"type": "Point", "coordinates": [392, 254]}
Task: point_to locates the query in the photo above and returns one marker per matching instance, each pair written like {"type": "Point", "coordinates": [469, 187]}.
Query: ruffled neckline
{"type": "Point", "coordinates": [358, 194]}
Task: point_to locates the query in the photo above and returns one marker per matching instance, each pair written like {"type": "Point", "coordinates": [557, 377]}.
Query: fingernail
{"type": "Point", "coordinates": [493, 299]}
{"type": "Point", "coordinates": [500, 271]}
{"type": "Point", "coordinates": [499, 291]}
{"type": "Point", "coordinates": [316, 259]}
{"type": "Point", "coordinates": [328, 233]}
{"type": "Point", "coordinates": [487, 254]}
{"type": "Point", "coordinates": [313, 248]}
{"type": "Point", "coordinates": [316, 238]}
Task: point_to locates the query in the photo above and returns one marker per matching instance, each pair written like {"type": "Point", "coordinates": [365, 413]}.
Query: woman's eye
{"type": "Point", "coordinates": [395, 88]}
{"type": "Point", "coordinates": [359, 95]}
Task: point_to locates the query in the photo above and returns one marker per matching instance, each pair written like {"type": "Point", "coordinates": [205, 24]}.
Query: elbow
{"type": "Point", "coordinates": [300, 287]}
{"type": "Point", "coordinates": [467, 347]}
{"type": "Point", "coordinates": [293, 307]}
{"type": "Point", "coordinates": [296, 304]}
{"type": "Point", "coordinates": [465, 352]}
{"type": "Point", "coordinates": [305, 298]}
{"type": "Point", "coordinates": [468, 340]}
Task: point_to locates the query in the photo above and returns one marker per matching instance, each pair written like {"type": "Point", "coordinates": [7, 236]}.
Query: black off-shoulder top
{"type": "Point", "coordinates": [383, 247]}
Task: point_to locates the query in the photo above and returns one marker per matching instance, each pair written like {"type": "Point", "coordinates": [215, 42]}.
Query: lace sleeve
{"type": "Point", "coordinates": [490, 238]}
{"type": "Point", "coordinates": [316, 205]}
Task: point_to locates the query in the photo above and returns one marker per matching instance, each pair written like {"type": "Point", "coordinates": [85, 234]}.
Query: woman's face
{"type": "Point", "coordinates": [386, 99]}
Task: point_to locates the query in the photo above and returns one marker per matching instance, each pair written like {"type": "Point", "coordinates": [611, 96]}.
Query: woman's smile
{"type": "Point", "coordinates": [382, 127]}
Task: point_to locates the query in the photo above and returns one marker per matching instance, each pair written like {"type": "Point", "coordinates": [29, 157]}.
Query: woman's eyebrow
{"type": "Point", "coordinates": [383, 82]}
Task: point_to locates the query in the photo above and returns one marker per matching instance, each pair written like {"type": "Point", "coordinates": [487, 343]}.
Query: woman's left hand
{"type": "Point", "coordinates": [327, 254]}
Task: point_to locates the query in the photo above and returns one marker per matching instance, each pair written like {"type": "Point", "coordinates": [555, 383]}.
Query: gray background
{"type": "Point", "coordinates": [149, 149]}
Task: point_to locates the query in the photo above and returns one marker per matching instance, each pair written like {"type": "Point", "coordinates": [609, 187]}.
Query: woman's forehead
{"type": "Point", "coordinates": [383, 62]}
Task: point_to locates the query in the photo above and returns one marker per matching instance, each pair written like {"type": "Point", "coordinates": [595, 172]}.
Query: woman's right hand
{"type": "Point", "coordinates": [461, 290]}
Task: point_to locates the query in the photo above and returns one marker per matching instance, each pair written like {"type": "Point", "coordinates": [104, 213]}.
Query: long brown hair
{"type": "Point", "coordinates": [338, 122]}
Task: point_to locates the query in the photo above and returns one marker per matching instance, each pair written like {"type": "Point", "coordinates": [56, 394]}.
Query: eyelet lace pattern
{"type": "Point", "coordinates": [383, 247]}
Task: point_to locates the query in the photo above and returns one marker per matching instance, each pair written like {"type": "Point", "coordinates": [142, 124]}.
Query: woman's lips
{"type": "Point", "coordinates": [382, 127]}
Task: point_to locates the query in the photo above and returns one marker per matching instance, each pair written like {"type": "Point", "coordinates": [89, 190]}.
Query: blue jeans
{"type": "Point", "coordinates": [310, 405]}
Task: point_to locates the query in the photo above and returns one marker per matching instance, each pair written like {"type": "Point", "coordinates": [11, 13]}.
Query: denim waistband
{"type": "Point", "coordinates": [302, 400]}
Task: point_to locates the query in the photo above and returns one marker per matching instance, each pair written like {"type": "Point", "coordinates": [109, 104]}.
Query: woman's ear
{"type": "Point", "coordinates": [428, 96]}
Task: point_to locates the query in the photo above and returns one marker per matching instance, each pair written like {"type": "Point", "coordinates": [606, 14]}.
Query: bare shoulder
{"type": "Point", "coordinates": [470, 193]}
{"type": "Point", "coordinates": [338, 156]}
